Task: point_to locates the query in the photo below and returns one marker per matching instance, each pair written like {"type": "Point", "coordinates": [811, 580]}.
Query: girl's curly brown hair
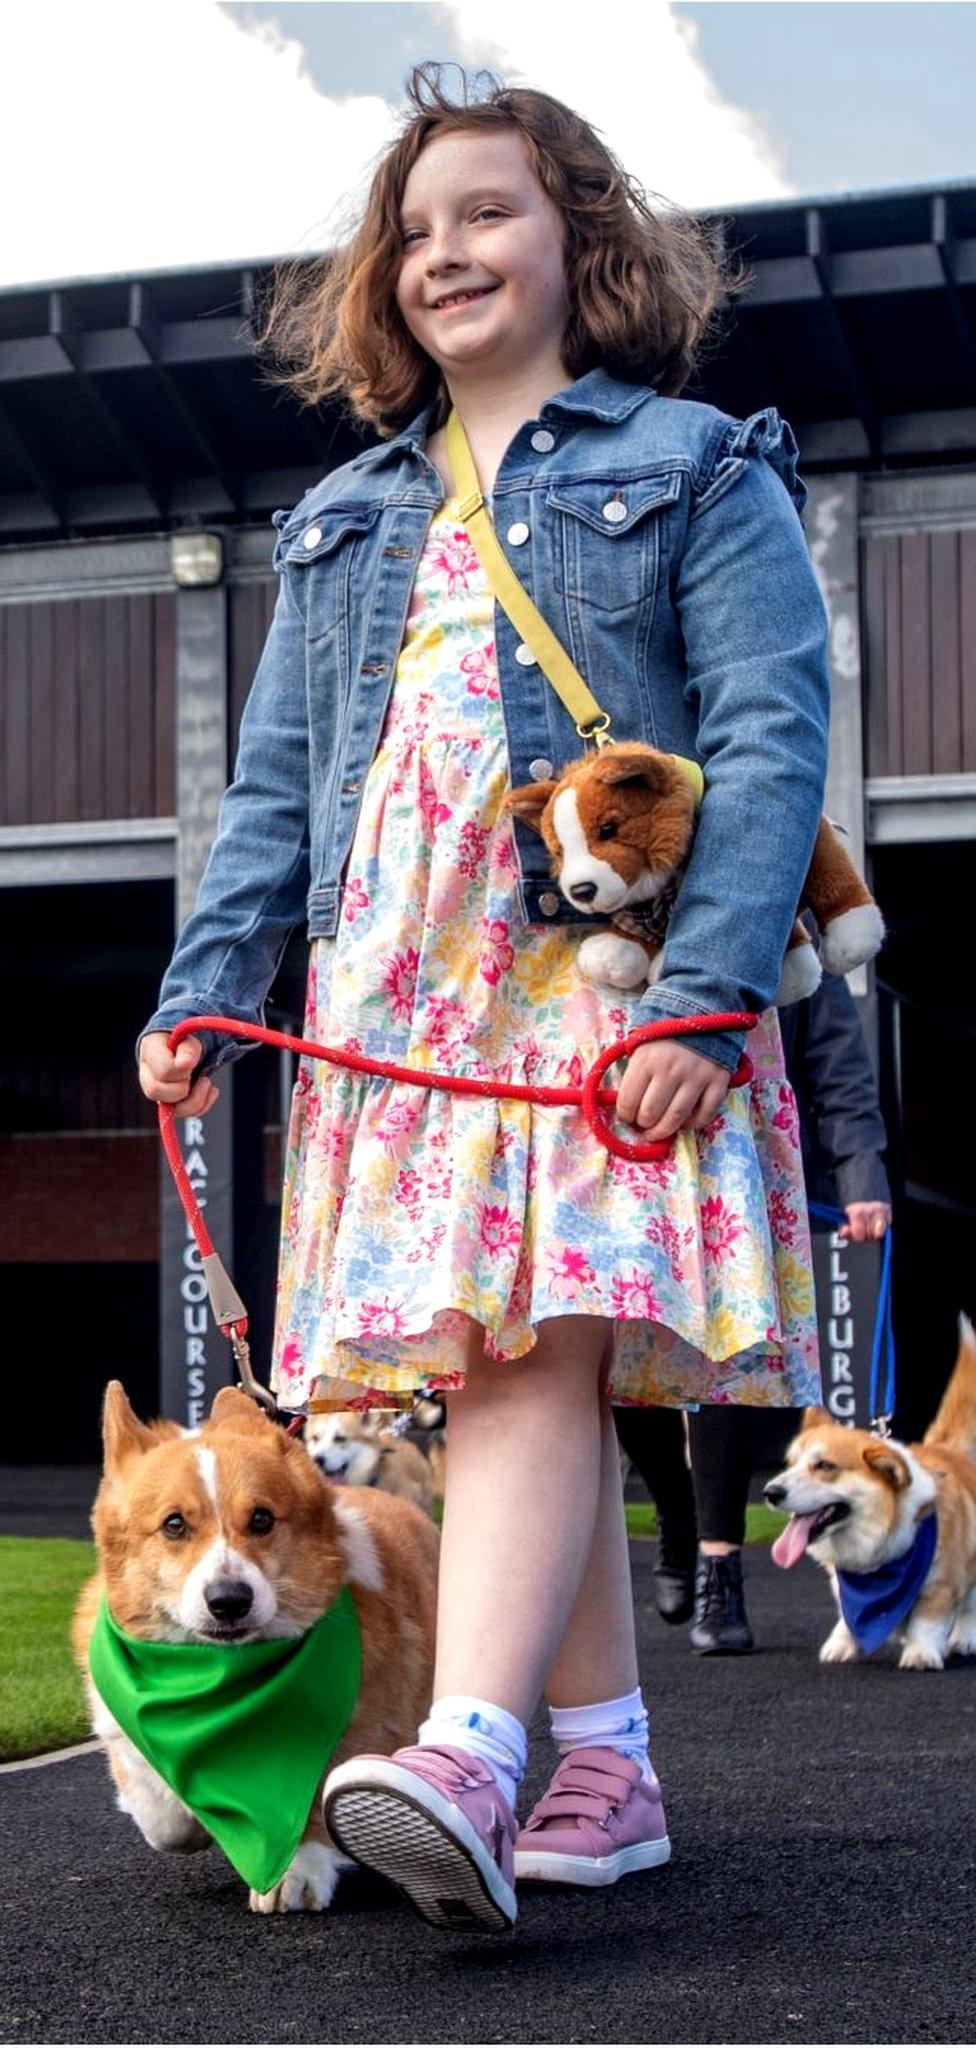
{"type": "Point", "coordinates": [644, 288]}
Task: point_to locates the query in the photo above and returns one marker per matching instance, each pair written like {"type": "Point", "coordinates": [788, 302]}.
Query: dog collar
{"type": "Point", "coordinates": [873, 1603]}
{"type": "Point", "coordinates": [241, 1733]}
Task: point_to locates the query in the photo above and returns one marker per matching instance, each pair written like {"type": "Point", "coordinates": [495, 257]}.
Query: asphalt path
{"type": "Point", "coordinates": [821, 1887]}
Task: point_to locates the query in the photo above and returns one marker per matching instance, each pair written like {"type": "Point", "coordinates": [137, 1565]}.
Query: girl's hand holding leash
{"type": "Point", "coordinates": [165, 1076]}
{"type": "Point", "coordinates": [865, 1221]}
{"type": "Point", "coordinates": [667, 1088]}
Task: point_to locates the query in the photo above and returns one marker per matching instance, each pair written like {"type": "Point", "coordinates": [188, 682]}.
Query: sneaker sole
{"type": "Point", "coordinates": [392, 1822]}
{"type": "Point", "coordinates": [537, 1866]}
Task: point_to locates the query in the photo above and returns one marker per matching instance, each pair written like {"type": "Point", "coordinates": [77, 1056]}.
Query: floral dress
{"type": "Point", "coordinates": [411, 1215]}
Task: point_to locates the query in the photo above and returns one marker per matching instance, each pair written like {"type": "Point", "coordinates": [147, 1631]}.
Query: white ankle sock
{"type": "Point", "coordinates": [489, 1732]}
{"type": "Point", "coordinates": [608, 1724]}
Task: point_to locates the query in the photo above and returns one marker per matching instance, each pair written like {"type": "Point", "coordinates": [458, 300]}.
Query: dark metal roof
{"type": "Point", "coordinates": [136, 401]}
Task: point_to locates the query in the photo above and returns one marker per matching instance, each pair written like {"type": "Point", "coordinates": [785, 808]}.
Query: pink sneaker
{"type": "Point", "coordinates": [432, 1820]}
{"type": "Point", "coordinates": [598, 1820]}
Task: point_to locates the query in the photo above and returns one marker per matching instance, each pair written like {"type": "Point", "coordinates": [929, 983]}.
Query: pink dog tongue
{"type": "Point", "coordinates": [792, 1542]}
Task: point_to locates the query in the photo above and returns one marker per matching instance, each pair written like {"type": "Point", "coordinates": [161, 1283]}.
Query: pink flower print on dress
{"type": "Point", "coordinates": [425, 1248]}
{"type": "Point", "coordinates": [292, 1358]}
{"type": "Point", "coordinates": [443, 1018]}
{"type": "Point", "coordinates": [783, 1218]}
{"type": "Point", "coordinates": [398, 1121]}
{"type": "Point", "coordinates": [400, 982]}
{"type": "Point", "coordinates": [720, 1226]}
{"type": "Point", "coordinates": [380, 1319]}
{"type": "Point", "coordinates": [499, 1230]}
{"type": "Point", "coordinates": [569, 1271]}
{"type": "Point", "coordinates": [480, 672]}
{"type": "Point", "coordinates": [433, 812]}
{"type": "Point", "coordinates": [409, 1193]}
{"type": "Point", "coordinates": [497, 951]}
{"type": "Point", "coordinates": [453, 557]}
{"type": "Point", "coordinates": [634, 1298]}
{"type": "Point", "coordinates": [501, 860]}
{"type": "Point", "coordinates": [355, 897]}
{"type": "Point", "coordinates": [660, 1230]}
{"type": "Point", "coordinates": [785, 1118]}
{"type": "Point", "coordinates": [472, 844]}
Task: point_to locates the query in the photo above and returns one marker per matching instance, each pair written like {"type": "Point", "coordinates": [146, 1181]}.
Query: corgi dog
{"type": "Point", "coordinates": [355, 1450]}
{"type": "Point", "coordinates": [228, 1533]}
{"type": "Point", "coordinates": [857, 1502]}
{"type": "Point", "coordinates": [619, 826]}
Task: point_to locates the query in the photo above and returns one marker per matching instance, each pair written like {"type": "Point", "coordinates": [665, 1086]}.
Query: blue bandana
{"type": "Point", "coordinates": [873, 1603]}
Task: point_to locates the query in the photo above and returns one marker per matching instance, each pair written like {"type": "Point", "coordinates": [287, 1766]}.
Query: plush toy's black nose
{"type": "Point", "coordinates": [583, 892]}
{"type": "Point", "coordinates": [774, 1493]}
{"type": "Point", "coordinates": [229, 1599]}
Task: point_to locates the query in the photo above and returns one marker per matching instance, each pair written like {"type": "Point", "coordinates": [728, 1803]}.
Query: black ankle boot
{"type": "Point", "coordinates": [720, 1626]}
{"type": "Point", "coordinates": [674, 1576]}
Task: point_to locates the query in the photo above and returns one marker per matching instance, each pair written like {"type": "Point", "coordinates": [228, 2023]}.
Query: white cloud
{"type": "Point", "coordinates": [141, 136]}
{"type": "Point", "coordinates": [134, 135]}
{"type": "Point", "coordinates": [635, 72]}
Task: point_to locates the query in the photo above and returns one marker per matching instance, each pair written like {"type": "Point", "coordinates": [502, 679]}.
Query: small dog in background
{"type": "Point", "coordinates": [857, 1503]}
{"type": "Point", "coordinates": [428, 1430]}
{"type": "Point", "coordinates": [358, 1450]}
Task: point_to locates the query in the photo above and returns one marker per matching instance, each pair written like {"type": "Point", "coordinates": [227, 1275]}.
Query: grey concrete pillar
{"type": "Point", "coordinates": [831, 520]}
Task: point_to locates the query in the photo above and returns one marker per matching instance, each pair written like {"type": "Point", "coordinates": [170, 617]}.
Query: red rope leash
{"type": "Point", "coordinates": [591, 1099]}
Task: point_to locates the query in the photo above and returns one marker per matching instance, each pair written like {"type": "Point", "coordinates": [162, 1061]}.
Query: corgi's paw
{"type": "Point", "coordinates": [839, 1647]}
{"type": "Point", "coordinates": [855, 936]}
{"type": "Point", "coordinates": [920, 1656]}
{"type": "Point", "coordinates": [800, 977]}
{"type": "Point", "coordinates": [613, 962]}
{"type": "Point", "coordinates": [962, 1641]}
{"type": "Point", "coordinates": [308, 1882]}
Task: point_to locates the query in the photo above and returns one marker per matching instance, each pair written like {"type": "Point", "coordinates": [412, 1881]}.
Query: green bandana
{"type": "Point", "coordinates": [241, 1733]}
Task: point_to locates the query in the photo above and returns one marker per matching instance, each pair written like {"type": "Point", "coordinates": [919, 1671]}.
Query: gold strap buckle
{"type": "Point", "coordinates": [597, 730]}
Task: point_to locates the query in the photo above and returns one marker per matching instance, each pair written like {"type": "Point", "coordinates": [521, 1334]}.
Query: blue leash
{"type": "Point", "coordinates": [882, 1405]}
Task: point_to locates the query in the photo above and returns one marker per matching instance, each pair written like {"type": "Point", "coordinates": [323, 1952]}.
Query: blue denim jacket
{"type": "Point", "coordinates": [695, 617]}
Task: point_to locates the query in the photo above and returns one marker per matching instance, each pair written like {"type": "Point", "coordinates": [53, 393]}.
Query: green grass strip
{"type": "Point", "coordinates": [42, 1703]}
{"type": "Point", "coordinates": [762, 1525]}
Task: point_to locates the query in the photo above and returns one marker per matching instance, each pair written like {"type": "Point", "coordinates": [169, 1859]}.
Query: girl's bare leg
{"type": "Point", "coordinates": [529, 1512]}
{"type": "Point", "coordinates": [597, 1658]}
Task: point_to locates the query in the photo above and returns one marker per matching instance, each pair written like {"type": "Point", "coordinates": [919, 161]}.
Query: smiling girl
{"type": "Point", "coordinates": [493, 1251]}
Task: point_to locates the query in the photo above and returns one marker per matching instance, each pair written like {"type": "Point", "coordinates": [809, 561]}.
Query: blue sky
{"type": "Point", "coordinates": [857, 95]}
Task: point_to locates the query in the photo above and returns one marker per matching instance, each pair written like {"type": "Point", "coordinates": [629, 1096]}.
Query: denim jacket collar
{"type": "Point", "coordinates": [596, 395]}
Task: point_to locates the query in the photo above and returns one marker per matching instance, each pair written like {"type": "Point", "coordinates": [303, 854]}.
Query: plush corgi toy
{"type": "Point", "coordinates": [619, 826]}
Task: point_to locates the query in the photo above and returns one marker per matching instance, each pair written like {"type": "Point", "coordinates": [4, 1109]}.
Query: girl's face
{"type": "Point", "coordinates": [474, 216]}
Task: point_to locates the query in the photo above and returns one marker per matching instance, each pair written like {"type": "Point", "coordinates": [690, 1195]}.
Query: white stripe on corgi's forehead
{"type": "Point", "coordinates": [575, 846]}
{"type": "Point", "coordinates": [207, 1467]}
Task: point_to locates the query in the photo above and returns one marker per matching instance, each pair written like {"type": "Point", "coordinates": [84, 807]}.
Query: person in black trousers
{"type": "Point", "coordinates": [702, 1512]}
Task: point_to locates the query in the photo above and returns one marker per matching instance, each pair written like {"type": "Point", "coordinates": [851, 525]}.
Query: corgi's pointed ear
{"type": "Point", "coordinates": [628, 763]}
{"type": "Point", "coordinates": [232, 1404]}
{"type": "Point", "coordinates": [884, 1459]}
{"type": "Point", "coordinates": [123, 1435]}
{"type": "Point", "coordinates": [814, 1418]}
{"type": "Point", "coordinates": [529, 802]}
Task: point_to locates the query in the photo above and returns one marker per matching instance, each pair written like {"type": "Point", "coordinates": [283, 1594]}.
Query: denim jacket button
{"type": "Point", "coordinates": [524, 655]}
{"type": "Point", "coordinates": [615, 510]}
{"type": "Point", "coordinates": [543, 440]}
{"type": "Point", "coordinates": [540, 771]}
{"type": "Point", "coordinates": [548, 903]}
{"type": "Point", "coordinates": [518, 533]}
{"type": "Point", "coordinates": [311, 536]}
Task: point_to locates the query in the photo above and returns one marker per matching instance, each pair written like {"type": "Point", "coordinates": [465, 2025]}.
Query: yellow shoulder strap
{"type": "Point", "coordinates": [590, 721]}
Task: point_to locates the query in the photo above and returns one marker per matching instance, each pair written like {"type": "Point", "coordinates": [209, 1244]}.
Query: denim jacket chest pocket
{"type": "Point", "coordinates": [606, 538]}
{"type": "Point", "coordinates": [325, 558]}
